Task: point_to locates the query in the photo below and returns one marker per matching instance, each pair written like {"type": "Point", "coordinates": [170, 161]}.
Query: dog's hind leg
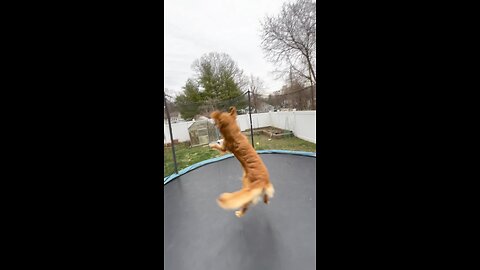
{"type": "Point", "coordinates": [241, 212]}
{"type": "Point", "coordinates": [265, 199]}
{"type": "Point", "coordinates": [245, 183]}
{"type": "Point", "coordinates": [269, 191]}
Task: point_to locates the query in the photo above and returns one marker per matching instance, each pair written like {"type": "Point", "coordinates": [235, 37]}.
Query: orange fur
{"type": "Point", "coordinates": [255, 180]}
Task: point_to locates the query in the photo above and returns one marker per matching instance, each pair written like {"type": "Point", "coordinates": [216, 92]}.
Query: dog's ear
{"type": "Point", "coordinates": [233, 111]}
{"type": "Point", "coordinates": [215, 114]}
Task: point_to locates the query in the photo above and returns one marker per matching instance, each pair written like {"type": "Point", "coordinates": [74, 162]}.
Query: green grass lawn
{"type": "Point", "coordinates": [187, 156]}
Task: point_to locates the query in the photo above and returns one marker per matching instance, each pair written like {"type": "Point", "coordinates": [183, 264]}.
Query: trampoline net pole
{"type": "Point", "coordinates": [171, 134]}
{"type": "Point", "coordinates": [250, 113]}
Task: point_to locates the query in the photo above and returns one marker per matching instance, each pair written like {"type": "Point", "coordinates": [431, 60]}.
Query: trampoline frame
{"type": "Point", "coordinates": [192, 167]}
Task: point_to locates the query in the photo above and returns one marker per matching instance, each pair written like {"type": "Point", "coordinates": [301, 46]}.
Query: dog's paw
{"type": "Point", "coordinates": [239, 213]}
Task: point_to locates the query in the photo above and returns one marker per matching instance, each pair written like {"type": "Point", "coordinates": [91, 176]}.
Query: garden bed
{"type": "Point", "coordinates": [271, 132]}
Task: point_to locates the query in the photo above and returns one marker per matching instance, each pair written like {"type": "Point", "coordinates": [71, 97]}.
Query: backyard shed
{"type": "Point", "coordinates": [202, 132]}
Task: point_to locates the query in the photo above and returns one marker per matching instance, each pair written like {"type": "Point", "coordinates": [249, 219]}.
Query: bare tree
{"type": "Point", "coordinates": [274, 100]}
{"type": "Point", "coordinates": [256, 87]}
{"type": "Point", "coordinates": [290, 39]}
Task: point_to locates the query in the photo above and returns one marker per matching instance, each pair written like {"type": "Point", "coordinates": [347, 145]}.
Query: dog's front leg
{"type": "Point", "coordinates": [221, 148]}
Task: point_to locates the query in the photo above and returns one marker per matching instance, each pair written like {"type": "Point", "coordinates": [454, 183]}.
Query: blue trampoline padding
{"type": "Point", "coordinates": [212, 160]}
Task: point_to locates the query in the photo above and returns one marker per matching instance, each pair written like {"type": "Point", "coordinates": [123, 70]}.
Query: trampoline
{"type": "Point", "coordinates": [198, 234]}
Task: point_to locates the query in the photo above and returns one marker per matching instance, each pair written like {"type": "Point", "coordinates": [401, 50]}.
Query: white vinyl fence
{"type": "Point", "coordinates": [301, 123]}
{"type": "Point", "coordinates": [179, 131]}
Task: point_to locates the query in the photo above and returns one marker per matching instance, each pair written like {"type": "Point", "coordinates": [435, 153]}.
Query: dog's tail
{"type": "Point", "coordinates": [239, 198]}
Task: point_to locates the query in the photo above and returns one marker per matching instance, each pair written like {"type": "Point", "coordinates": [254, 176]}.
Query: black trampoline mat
{"type": "Point", "coordinates": [198, 234]}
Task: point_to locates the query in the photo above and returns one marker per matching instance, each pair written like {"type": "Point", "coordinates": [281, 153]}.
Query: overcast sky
{"type": "Point", "coordinates": [195, 27]}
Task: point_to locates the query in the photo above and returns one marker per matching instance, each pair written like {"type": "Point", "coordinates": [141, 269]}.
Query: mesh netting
{"type": "Point", "coordinates": [193, 130]}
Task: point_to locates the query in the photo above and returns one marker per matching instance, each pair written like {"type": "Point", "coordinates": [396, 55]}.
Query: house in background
{"type": "Point", "coordinates": [175, 117]}
{"type": "Point", "coordinates": [263, 107]}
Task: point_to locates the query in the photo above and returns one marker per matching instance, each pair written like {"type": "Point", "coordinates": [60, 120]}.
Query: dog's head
{"type": "Point", "coordinates": [225, 119]}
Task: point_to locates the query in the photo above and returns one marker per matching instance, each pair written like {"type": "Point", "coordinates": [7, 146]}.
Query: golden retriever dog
{"type": "Point", "coordinates": [255, 181]}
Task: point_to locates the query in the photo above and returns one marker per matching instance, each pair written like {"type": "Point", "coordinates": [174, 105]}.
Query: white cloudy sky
{"type": "Point", "coordinates": [195, 27]}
